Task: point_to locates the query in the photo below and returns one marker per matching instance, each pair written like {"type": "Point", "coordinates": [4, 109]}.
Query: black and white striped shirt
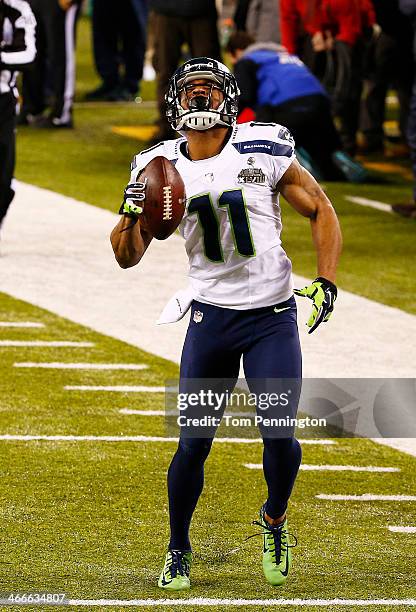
{"type": "Point", "coordinates": [17, 41]}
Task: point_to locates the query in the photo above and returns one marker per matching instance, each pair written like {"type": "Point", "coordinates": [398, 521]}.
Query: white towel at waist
{"type": "Point", "coordinates": [177, 307]}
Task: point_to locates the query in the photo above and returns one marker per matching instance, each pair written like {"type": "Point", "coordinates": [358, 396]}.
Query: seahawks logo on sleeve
{"type": "Point", "coordinates": [270, 138]}
{"type": "Point", "coordinates": [284, 134]}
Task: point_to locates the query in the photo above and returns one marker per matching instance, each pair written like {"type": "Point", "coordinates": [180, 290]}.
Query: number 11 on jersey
{"type": "Point", "coordinates": [233, 200]}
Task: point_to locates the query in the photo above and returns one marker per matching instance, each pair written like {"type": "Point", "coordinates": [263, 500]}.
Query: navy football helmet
{"type": "Point", "coordinates": [200, 115]}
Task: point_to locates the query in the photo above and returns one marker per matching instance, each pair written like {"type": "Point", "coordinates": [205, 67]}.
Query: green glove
{"type": "Point", "coordinates": [129, 208]}
{"type": "Point", "coordinates": [134, 196]}
{"type": "Point", "coordinates": [323, 293]}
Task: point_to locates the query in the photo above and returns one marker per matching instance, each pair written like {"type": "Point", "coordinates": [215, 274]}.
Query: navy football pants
{"type": "Point", "coordinates": [269, 344]}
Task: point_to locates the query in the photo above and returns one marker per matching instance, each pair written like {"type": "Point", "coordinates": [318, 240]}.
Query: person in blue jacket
{"type": "Point", "coordinates": [277, 87]}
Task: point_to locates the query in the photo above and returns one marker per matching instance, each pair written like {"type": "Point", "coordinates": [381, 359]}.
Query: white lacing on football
{"type": "Point", "coordinates": [167, 203]}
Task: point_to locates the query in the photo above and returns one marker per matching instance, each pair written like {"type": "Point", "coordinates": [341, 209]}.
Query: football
{"type": "Point", "coordinates": [165, 197]}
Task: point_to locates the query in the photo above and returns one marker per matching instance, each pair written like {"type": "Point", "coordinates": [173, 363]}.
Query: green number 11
{"type": "Point", "coordinates": [240, 226]}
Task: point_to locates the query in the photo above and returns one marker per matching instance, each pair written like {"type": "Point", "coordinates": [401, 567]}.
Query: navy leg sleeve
{"type": "Point", "coordinates": [207, 354]}
{"type": "Point", "coordinates": [275, 353]}
{"type": "Point", "coordinates": [281, 461]}
{"type": "Point", "coordinates": [185, 483]}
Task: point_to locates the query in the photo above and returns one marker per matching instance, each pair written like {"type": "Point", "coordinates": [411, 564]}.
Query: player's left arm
{"type": "Point", "coordinates": [305, 195]}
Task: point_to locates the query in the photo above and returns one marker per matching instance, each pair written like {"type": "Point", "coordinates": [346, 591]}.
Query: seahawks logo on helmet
{"type": "Point", "coordinates": [202, 116]}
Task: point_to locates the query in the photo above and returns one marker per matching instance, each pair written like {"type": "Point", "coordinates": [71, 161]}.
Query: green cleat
{"type": "Point", "coordinates": [175, 574]}
{"type": "Point", "coordinates": [277, 556]}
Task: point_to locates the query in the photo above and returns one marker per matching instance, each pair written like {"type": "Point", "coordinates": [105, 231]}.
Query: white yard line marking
{"type": "Point", "coordinates": [54, 343]}
{"type": "Point", "coordinates": [370, 203]}
{"type": "Point", "coordinates": [59, 438]}
{"type": "Point", "coordinates": [402, 529]}
{"type": "Point", "coordinates": [200, 601]}
{"type": "Point", "coordinates": [56, 365]}
{"type": "Point", "coordinates": [367, 497]}
{"type": "Point", "coordinates": [20, 324]}
{"type": "Point", "coordinates": [117, 388]}
{"type": "Point", "coordinates": [332, 468]}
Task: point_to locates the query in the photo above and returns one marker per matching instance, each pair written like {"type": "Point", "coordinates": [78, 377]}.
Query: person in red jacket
{"type": "Point", "coordinates": [328, 35]}
{"type": "Point", "coordinates": [346, 20]}
{"type": "Point", "coordinates": [322, 21]}
{"type": "Point", "coordinates": [300, 21]}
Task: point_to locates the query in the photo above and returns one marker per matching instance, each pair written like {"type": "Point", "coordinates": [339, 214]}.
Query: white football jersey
{"type": "Point", "coordinates": [232, 221]}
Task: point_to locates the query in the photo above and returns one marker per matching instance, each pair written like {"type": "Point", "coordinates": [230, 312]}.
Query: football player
{"type": "Point", "coordinates": [241, 293]}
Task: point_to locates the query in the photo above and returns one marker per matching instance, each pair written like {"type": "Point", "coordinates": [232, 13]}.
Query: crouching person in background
{"type": "Point", "coordinates": [276, 87]}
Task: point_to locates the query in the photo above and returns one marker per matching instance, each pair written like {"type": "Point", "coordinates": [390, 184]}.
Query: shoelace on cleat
{"type": "Point", "coordinates": [177, 564]}
{"type": "Point", "coordinates": [279, 536]}
{"type": "Point", "coordinates": [218, 556]}
{"type": "Point", "coordinates": [223, 556]}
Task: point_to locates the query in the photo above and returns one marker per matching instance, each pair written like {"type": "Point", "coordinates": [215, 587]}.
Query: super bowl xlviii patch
{"type": "Point", "coordinates": [251, 175]}
{"type": "Point", "coordinates": [198, 316]}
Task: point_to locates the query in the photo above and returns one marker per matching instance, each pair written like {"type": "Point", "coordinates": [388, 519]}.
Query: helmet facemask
{"type": "Point", "coordinates": [200, 114]}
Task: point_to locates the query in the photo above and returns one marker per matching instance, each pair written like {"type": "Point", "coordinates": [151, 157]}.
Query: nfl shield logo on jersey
{"type": "Point", "coordinates": [198, 316]}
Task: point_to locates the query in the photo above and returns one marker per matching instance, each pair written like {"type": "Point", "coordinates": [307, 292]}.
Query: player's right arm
{"type": "Point", "coordinates": [129, 240]}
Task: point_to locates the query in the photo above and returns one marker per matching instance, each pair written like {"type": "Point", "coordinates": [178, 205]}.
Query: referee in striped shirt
{"type": "Point", "coordinates": [17, 51]}
{"type": "Point", "coordinates": [51, 82]}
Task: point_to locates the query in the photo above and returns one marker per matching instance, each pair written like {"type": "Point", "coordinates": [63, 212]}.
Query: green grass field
{"type": "Point", "coordinates": [89, 518]}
